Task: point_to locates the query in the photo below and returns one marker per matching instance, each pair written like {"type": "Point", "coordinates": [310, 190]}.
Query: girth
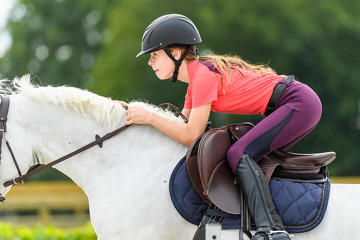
{"type": "Point", "coordinates": [213, 179]}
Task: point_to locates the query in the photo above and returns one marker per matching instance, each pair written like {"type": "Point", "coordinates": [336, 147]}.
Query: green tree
{"type": "Point", "coordinates": [316, 42]}
{"type": "Point", "coordinates": [55, 40]}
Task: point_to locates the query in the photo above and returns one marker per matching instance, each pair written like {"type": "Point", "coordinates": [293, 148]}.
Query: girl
{"type": "Point", "coordinates": [231, 85]}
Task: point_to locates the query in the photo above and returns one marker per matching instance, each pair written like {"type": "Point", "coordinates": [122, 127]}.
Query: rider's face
{"type": "Point", "coordinates": [162, 65]}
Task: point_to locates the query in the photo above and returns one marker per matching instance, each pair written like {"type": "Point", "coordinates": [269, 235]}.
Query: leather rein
{"type": "Point", "coordinates": [4, 108]}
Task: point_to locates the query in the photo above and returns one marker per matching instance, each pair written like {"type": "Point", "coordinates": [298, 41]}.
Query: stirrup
{"type": "Point", "coordinates": [269, 233]}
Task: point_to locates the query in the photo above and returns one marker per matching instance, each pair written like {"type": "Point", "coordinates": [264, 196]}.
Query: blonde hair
{"type": "Point", "coordinates": [225, 63]}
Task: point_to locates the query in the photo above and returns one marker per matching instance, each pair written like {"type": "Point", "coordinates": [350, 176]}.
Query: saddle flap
{"type": "Point", "coordinates": [212, 149]}
{"type": "Point", "coordinates": [222, 189]}
{"type": "Point", "coordinates": [193, 171]}
{"type": "Point", "coordinates": [205, 155]}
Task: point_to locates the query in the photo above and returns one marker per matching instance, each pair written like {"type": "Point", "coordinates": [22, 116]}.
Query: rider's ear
{"type": "Point", "coordinates": [177, 53]}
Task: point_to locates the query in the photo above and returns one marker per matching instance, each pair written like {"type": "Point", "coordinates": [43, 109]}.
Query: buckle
{"type": "Point", "coordinates": [2, 133]}
{"type": "Point", "coordinates": [279, 231]}
{"type": "Point", "coordinates": [2, 199]}
{"type": "Point", "coordinates": [270, 232]}
{"type": "Point", "coordinates": [12, 182]}
{"type": "Point", "coordinates": [9, 183]}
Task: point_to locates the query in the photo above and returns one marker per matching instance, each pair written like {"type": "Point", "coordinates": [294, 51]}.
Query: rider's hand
{"type": "Point", "coordinates": [137, 115]}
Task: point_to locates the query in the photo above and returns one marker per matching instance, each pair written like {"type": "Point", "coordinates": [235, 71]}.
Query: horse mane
{"type": "Point", "coordinates": [100, 108]}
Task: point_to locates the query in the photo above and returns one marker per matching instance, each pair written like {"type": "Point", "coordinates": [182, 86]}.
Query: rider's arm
{"type": "Point", "coordinates": [181, 132]}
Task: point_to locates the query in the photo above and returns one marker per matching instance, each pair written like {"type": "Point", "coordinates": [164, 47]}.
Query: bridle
{"type": "Point", "coordinates": [4, 108]}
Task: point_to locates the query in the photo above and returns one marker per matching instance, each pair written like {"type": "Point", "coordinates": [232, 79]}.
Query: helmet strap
{"type": "Point", "coordinates": [177, 62]}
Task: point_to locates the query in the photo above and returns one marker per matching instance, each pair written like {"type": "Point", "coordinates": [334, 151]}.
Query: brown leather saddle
{"type": "Point", "coordinates": [213, 179]}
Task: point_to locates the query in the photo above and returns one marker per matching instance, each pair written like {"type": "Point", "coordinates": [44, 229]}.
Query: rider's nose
{"type": "Point", "coordinates": [150, 62]}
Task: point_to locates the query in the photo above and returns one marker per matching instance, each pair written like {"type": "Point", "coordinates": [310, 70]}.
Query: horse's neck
{"type": "Point", "coordinates": [49, 132]}
{"type": "Point", "coordinates": [54, 133]}
{"type": "Point", "coordinates": [137, 149]}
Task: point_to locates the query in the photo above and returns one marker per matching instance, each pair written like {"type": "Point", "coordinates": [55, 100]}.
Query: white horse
{"type": "Point", "coordinates": [126, 181]}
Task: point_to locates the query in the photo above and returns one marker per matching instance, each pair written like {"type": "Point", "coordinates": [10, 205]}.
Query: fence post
{"type": "Point", "coordinates": [44, 215]}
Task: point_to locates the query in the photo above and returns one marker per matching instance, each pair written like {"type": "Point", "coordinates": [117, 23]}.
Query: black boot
{"type": "Point", "coordinates": [253, 184]}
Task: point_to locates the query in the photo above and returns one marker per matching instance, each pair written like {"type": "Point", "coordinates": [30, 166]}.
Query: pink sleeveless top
{"type": "Point", "coordinates": [247, 93]}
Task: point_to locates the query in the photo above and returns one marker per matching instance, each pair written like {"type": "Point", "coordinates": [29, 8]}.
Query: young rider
{"type": "Point", "coordinates": [230, 85]}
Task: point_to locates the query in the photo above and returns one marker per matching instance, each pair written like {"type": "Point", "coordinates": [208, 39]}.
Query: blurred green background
{"type": "Point", "coordinates": [92, 45]}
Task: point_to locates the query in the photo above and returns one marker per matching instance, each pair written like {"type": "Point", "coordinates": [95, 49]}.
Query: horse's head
{"type": "Point", "coordinates": [8, 169]}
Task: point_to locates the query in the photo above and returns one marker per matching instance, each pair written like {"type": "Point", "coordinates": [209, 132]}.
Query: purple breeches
{"type": "Point", "coordinates": [297, 112]}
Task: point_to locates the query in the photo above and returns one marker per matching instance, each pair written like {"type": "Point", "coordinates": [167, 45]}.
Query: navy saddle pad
{"type": "Point", "coordinates": [301, 205]}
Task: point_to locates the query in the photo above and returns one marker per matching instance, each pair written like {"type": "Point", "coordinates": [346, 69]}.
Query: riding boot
{"type": "Point", "coordinates": [253, 184]}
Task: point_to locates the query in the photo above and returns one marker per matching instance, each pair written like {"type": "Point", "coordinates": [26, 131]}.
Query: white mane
{"type": "Point", "coordinates": [102, 109]}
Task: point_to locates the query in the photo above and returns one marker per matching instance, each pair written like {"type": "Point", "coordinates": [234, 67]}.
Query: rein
{"type": "Point", "coordinates": [4, 108]}
{"type": "Point", "coordinates": [98, 141]}
{"type": "Point", "coordinates": [176, 109]}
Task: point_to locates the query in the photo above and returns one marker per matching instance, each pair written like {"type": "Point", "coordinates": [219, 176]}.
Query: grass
{"type": "Point", "coordinates": [11, 232]}
{"type": "Point", "coordinates": [348, 180]}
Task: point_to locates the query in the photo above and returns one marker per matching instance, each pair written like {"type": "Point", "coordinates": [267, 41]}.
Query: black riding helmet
{"type": "Point", "coordinates": [167, 30]}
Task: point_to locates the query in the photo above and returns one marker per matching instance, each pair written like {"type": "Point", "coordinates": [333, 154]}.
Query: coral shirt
{"type": "Point", "coordinates": [247, 93]}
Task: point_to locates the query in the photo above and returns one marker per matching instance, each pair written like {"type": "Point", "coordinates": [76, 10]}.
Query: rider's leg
{"type": "Point", "coordinates": [290, 144]}
{"type": "Point", "coordinates": [286, 125]}
{"type": "Point", "coordinates": [252, 181]}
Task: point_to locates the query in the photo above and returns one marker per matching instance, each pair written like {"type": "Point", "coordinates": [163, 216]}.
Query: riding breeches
{"type": "Point", "coordinates": [296, 113]}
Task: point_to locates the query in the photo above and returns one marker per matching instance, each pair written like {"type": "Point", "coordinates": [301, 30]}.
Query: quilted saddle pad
{"type": "Point", "coordinates": [301, 205]}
